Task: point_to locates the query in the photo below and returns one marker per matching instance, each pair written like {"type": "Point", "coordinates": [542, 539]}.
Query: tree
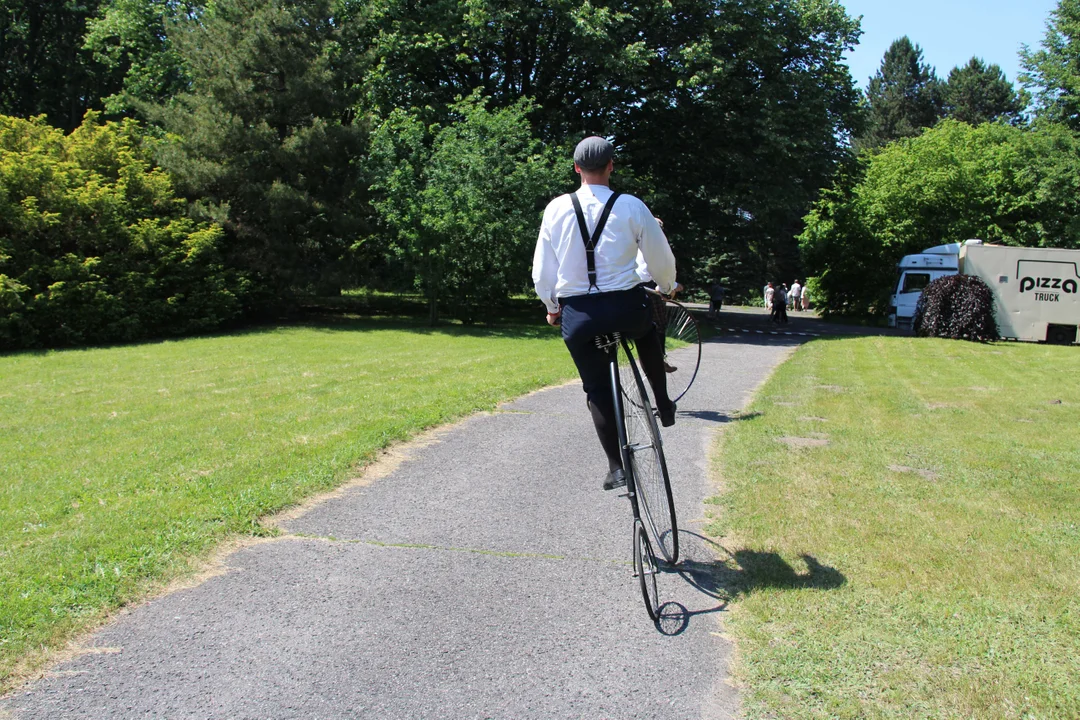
{"type": "Point", "coordinates": [579, 63]}
{"type": "Point", "coordinates": [130, 38]}
{"type": "Point", "coordinates": [995, 182]}
{"type": "Point", "coordinates": [43, 68]}
{"type": "Point", "coordinates": [903, 97]}
{"type": "Point", "coordinates": [1052, 74]}
{"type": "Point", "coordinates": [728, 116]}
{"type": "Point", "coordinates": [266, 141]}
{"type": "Point", "coordinates": [462, 201]}
{"type": "Point", "coordinates": [739, 133]}
{"type": "Point", "coordinates": [977, 93]}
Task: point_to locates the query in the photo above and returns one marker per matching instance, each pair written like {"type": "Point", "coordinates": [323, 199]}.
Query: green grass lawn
{"type": "Point", "coordinates": [903, 523]}
{"type": "Point", "coordinates": [121, 467]}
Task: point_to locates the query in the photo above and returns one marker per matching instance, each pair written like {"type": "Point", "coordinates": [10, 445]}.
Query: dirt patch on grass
{"type": "Point", "coordinates": [799, 443]}
{"type": "Point", "coordinates": [832, 388]}
{"type": "Point", "coordinates": [924, 474]}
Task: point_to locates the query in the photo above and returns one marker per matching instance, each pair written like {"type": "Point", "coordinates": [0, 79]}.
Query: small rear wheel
{"type": "Point", "coordinates": [645, 569]}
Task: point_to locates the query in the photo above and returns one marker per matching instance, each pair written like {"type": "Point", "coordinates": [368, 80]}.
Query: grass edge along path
{"type": "Point", "coordinates": [903, 518]}
{"type": "Point", "coordinates": [126, 468]}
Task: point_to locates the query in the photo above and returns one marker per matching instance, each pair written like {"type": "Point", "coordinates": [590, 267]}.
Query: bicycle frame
{"type": "Point", "coordinates": [612, 349]}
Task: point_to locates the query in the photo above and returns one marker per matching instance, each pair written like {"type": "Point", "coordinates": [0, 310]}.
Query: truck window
{"type": "Point", "coordinates": [915, 282]}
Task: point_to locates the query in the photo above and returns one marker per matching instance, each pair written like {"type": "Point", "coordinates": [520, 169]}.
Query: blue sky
{"type": "Point", "coordinates": [950, 32]}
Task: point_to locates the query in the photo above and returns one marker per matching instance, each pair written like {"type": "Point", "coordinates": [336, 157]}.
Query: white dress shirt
{"type": "Point", "coordinates": [560, 268]}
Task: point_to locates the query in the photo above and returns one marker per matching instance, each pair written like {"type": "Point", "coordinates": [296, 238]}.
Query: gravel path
{"type": "Point", "coordinates": [487, 575]}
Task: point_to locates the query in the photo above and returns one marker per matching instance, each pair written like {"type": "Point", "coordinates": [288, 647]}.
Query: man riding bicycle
{"type": "Point", "coordinates": [585, 271]}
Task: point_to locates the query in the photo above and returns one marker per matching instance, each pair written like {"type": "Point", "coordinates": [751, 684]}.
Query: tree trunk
{"type": "Point", "coordinates": [433, 310]}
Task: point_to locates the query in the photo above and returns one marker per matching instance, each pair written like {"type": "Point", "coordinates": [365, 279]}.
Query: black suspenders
{"type": "Point", "coordinates": [590, 240]}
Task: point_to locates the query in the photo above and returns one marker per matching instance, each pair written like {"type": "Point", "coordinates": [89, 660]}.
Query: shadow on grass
{"type": "Point", "coordinates": [721, 575]}
{"type": "Point", "coordinates": [717, 417]}
{"type": "Point", "coordinates": [509, 322]}
{"type": "Point", "coordinates": [505, 329]}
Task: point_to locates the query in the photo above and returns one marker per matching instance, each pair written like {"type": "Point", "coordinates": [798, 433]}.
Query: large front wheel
{"type": "Point", "coordinates": [652, 486]}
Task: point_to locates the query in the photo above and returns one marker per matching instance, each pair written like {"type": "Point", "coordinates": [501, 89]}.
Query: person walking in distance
{"type": "Point", "coordinates": [779, 303]}
{"type": "Point", "coordinates": [770, 293]}
{"type": "Point", "coordinates": [796, 294]}
{"type": "Point", "coordinates": [585, 272]}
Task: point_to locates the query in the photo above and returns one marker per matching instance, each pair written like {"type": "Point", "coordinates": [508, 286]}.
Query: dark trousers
{"type": "Point", "coordinates": [627, 312]}
{"type": "Point", "coordinates": [659, 315]}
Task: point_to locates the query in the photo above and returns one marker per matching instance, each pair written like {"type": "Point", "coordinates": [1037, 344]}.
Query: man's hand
{"type": "Point", "coordinates": [674, 291]}
{"type": "Point", "coordinates": [554, 319]}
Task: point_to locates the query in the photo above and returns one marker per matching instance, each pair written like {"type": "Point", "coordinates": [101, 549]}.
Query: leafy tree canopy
{"type": "Point", "coordinates": [130, 38]}
{"type": "Point", "coordinates": [1052, 73]}
{"type": "Point", "coordinates": [461, 201]}
{"type": "Point", "coordinates": [728, 116]}
{"type": "Point", "coordinates": [995, 182]}
{"type": "Point", "coordinates": [43, 67]}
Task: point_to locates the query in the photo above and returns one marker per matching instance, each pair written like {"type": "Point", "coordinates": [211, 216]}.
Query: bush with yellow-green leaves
{"type": "Point", "coordinates": [95, 246]}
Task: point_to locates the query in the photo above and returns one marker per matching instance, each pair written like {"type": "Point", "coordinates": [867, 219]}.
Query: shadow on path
{"type": "Point", "coordinates": [722, 575]}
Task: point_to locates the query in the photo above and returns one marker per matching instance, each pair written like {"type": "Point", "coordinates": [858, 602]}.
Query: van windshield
{"type": "Point", "coordinates": [915, 282]}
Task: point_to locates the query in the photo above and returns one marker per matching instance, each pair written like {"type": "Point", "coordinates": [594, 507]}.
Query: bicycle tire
{"type": "Point", "coordinates": [645, 570]}
{"type": "Point", "coordinates": [652, 485]}
{"type": "Point", "coordinates": [681, 325]}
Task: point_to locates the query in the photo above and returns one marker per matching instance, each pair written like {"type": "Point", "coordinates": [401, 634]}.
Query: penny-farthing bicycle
{"type": "Point", "coordinates": [655, 529]}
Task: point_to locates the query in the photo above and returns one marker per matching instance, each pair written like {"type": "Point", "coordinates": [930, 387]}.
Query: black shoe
{"type": "Point", "coordinates": [667, 417]}
{"type": "Point", "coordinates": [615, 479]}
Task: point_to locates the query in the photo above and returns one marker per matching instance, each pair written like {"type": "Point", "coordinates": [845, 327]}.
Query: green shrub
{"type": "Point", "coordinates": [960, 307]}
{"type": "Point", "coordinates": [94, 245]}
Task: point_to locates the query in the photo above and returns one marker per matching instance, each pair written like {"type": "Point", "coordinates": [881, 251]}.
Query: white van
{"type": "Point", "coordinates": [916, 272]}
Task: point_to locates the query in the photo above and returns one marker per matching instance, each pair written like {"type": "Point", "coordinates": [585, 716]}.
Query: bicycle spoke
{"type": "Point", "coordinates": [649, 468]}
{"type": "Point", "coordinates": [682, 362]}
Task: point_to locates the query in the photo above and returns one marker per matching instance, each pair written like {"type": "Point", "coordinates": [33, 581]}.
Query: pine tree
{"type": "Point", "coordinates": [265, 139]}
{"type": "Point", "coordinates": [903, 97]}
{"type": "Point", "coordinates": [977, 93]}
